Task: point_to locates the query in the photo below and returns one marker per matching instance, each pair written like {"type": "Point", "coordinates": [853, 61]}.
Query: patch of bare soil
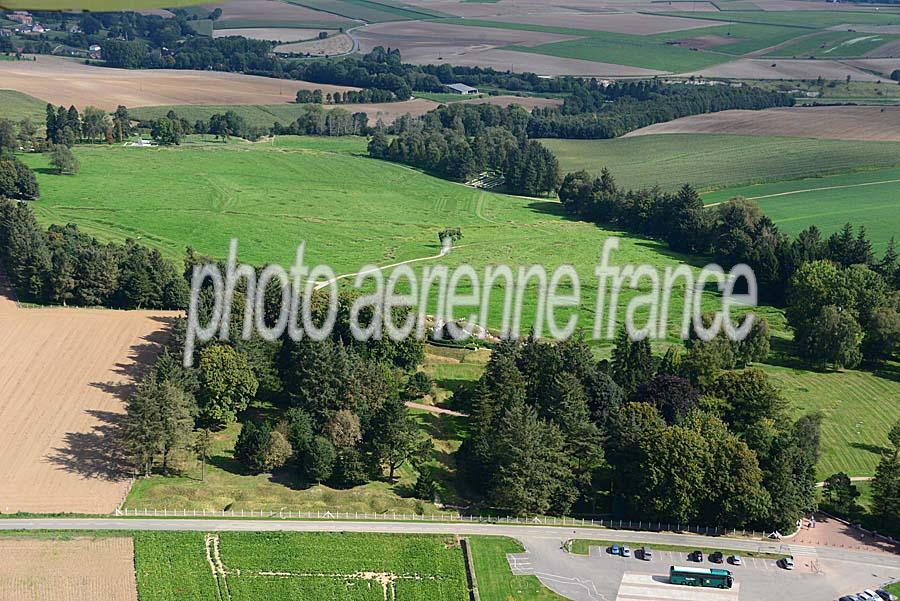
{"type": "Point", "coordinates": [274, 34]}
{"type": "Point", "coordinates": [336, 44]}
{"type": "Point", "coordinates": [747, 68]}
{"type": "Point", "coordinates": [271, 10]}
{"type": "Point", "coordinates": [35, 569]}
{"type": "Point", "coordinates": [63, 81]}
{"type": "Point", "coordinates": [826, 122]}
{"type": "Point", "coordinates": [64, 376]}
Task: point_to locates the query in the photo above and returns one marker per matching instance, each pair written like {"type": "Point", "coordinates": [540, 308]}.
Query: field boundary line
{"type": "Point", "coordinates": [807, 190]}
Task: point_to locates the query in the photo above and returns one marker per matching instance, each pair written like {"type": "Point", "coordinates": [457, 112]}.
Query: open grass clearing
{"type": "Point", "coordinates": [370, 11]}
{"type": "Point", "coordinates": [18, 106]}
{"type": "Point", "coordinates": [859, 408]}
{"type": "Point", "coordinates": [836, 44]}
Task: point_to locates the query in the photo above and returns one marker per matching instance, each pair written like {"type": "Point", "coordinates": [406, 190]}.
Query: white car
{"type": "Point", "coordinates": [787, 563]}
{"type": "Point", "coordinates": [736, 560]}
{"type": "Point", "coordinates": [626, 552]}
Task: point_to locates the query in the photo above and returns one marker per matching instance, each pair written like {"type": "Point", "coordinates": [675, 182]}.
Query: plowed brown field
{"type": "Point", "coordinates": [66, 82]}
{"type": "Point", "coordinates": [67, 570]}
{"type": "Point", "coordinates": [63, 376]}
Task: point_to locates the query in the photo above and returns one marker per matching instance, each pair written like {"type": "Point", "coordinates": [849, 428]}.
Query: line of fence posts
{"type": "Point", "coordinates": [438, 517]}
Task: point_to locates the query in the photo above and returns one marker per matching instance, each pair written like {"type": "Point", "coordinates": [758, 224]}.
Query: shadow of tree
{"type": "Point", "coordinates": [97, 454]}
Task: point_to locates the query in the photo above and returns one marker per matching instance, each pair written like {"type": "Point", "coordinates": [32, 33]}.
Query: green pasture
{"type": "Point", "coordinates": [859, 408]}
{"type": "Point", "coordinates": [17, 106]}
{"type": "Point", "coordinates": [350, 210]}
{"type": "Point", "coordinates": [836, 44]}
{"type": "Point", "coordinates": [870, 198]}
{"type": "Point", "coordinates": [173, 566]}
{"type": "Point", "coordinates": [717, 161]}
{"type": "Point", "coordinates": [805, 19]}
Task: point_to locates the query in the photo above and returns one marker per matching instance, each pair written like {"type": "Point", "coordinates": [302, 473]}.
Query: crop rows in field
{"type": "Point", "coordinates": [298, 566]}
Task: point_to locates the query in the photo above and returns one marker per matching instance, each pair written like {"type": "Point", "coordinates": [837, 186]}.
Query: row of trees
{"type": "Point", "coordinates": [63, 265]}
{"type": "Point", "coordinates": [317, 121]}
{"type": "Point", "coordinates": [369, 96]}
{"type": "Point", "coordinates": [68, 126]}
{"type": "Point", "coordinates": [553, 430]}
{"type": "Point", "coordinates": [596, 111]}
{"type": "Point", "coordinates": [842, 301]}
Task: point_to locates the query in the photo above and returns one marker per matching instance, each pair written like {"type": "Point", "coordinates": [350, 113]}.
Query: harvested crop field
{"type": "Point", "coordinates": [66, 82]}
{"type": "Point", "coordinates": [526, 102]}
{"type": "Point", "coordinates": [748, 68]}
{"type": "Point", "coordinates": [243, 13]}
{"type": "Point", "coordinates": [35, 569]}
{"type": "Point", "coordinates": [630, 23]}
{"type": "Point", "coordinates": [275, 34]}
{"type": "Point", "coordinates": [825, 122]}
{"type": "Point", "coordinates": [61, 400]}
{"type": "Point", "coordinates": [336, 44]}
{"type": "Point", "coordinates": [426, 41]}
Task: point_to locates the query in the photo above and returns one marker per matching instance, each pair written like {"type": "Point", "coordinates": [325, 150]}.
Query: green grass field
{"type": "Point", "coordinates": [350, 210]}
{"type": "Point", "coordinates": [17, 106]}
{"type": "Point", "coordinates": [495, 579]}
{"type": "Point", "coordinates": [711, 161]}
{"type": "Point", "coordinates": [859, 408]}
{"type": "Point", "coordinates": [870, 198]}
{"type": "Point", "coordinates": [835, 44]}
{"type": "Point", "coordinates": [806, 19]}
{"type": "Point", "coordinates": [173, 566]}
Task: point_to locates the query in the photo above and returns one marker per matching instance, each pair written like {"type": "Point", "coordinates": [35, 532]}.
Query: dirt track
{"type": "Point", "coordinates": [826, 122]}
{"type": "Point", "coordinates": [63, 376]}
{"type": "Point", "coordinates": [67, 570]}
{"type": "Point", "coordinates": [66, 82]}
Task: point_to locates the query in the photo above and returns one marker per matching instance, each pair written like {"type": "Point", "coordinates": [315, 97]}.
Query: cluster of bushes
{"type": "Point", "coordinates": [673, 439]}
{"type": "Point", "coordinates": [841, 301]}
{"type": "Point", "coordinates": [17, 181]}
{"type": "Point", "coordinates": [63, 265]}
{"type": "Point", "coordinates": [594, 111]}
{"type": "Point", "coordinates": [460, 141]}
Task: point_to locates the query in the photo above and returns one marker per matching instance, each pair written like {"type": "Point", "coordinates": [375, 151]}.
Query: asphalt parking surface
{"type": "Point", "coordinates": [604, 577]}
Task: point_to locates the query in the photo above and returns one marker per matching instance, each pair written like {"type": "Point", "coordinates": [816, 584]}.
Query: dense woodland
{"type": "Point", "coordinates": [668, 438]}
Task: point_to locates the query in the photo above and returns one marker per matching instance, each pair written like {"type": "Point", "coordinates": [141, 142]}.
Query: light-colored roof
{"type": "Point", "coordinates": [461, 87]}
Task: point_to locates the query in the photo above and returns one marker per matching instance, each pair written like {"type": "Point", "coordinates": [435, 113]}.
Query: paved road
{"type": "Point", "coordinates": [520, 532]}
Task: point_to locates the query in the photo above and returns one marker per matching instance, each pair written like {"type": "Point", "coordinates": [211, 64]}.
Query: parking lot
{"type": "Point", "coordinates": [601, 576]}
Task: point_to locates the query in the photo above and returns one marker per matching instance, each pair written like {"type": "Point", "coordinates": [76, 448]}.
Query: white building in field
{"type": "Point", "coordinates": [461, 88]}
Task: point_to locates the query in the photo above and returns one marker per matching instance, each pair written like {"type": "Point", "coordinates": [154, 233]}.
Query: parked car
{"type": "Point", "coordinates": [736, 560]}
{"type": "Point", "coordinates": [614, 550]}
{"type": "Point", "coordinates": [787, 563]}
{"type": "Point", "coordinates": [886, 596]}
{"type": "Point", "coordinates": [696, 556]}
{"type": "Point", "coordinates": [646, 553]}
{"type": "Point", "coordinates": [849, 598]}
{"type": "Point", "coordinates": [626, 552]}
{"type": "Point", "coordinates": [869, 595]}
{"type": "Point", "coordinates": [716, 557]}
